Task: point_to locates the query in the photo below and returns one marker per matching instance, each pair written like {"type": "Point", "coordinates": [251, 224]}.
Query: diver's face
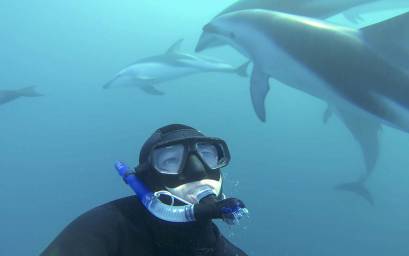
{"type": "Point", "coordinates": [191, 170]}
{"type": "Point", "coordinates": [194, 182]}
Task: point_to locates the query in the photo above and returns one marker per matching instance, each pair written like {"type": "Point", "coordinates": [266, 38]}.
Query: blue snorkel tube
{"type": "Point", "coordinates": [171, 213]}
{"type": "Point", "coordinates": [151, 202]}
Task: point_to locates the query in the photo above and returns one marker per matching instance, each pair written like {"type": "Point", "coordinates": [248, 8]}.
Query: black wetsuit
{"type": "Point", "coordinates": [125, 228]}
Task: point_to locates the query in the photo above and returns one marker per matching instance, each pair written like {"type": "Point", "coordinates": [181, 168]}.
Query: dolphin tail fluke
{"type": "Point", "coordinates": [242, 69]}
{"type": "Point", "coordinates": [358, 188]}
{"type": "Point", "coordinates": [149, 89]}
{"type": "Point", "coordinates": [29, 92]}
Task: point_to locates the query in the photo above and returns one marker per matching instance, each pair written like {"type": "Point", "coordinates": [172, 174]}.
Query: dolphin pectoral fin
{"type": "Point", "coordinates": [175, 47]}
{"type": "Point", "coordinates": [259, 88]}
{"type": "Point", "coordinates": [146, 83]}
{"type": "Point", "coordinates": [149, 89]}
{"type": "Point", "coordinates": [366, 132]}
{"type": "Point", "coordinates": [327, 114]}
{"type": "Point", "coordinates": [357, 188]}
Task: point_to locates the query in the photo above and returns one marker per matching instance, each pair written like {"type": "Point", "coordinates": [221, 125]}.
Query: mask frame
{"type": "Point", "coordinates": [190, 147]}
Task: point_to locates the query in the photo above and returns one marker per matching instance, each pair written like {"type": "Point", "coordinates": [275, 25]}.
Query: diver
{"type": "Point", "coordinates": [178, 184]}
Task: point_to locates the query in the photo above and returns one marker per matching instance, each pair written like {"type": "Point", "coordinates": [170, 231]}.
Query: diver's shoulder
{"type": "Point", "coordinates": [129, 204]}
{"type": "Point", "coordinates": [120, 210]}
{"type": "Point", "coordinates": [125, 205]}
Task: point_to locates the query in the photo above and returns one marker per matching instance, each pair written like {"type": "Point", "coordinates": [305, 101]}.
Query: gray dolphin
{"type": "Point", "coordinates": [387, 37]}
{"type": "Point", "coordinates": [171, 65]}
{"type": "Point", "coordinates": [11, 95]}
{"type": "Point", "coordinates": [331, 62]}
{"type": "Point", "coordinates": [320, 9]}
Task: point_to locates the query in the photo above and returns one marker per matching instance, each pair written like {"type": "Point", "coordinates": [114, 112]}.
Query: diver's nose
{"type": "Point", "coordinates": [194, 168]}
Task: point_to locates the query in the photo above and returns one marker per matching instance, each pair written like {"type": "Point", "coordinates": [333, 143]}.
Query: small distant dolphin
{"type": "Point", "coordinates": [320, 9]}
{"type": "Point", "coordinates": [11, 95]}
{"type": "Point", "coordinates": [331, 62]}
{"type": "Point", "coordinates": [173, 64]}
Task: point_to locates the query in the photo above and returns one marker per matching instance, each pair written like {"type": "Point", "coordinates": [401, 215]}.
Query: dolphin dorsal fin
{"type": "Point", "coordinates": [175, 47]}
{"type": "Point", "coordinates": [395, 29]}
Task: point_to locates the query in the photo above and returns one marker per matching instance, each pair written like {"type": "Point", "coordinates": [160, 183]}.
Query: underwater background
{"type": "Point", "coordinates": [57, 151]}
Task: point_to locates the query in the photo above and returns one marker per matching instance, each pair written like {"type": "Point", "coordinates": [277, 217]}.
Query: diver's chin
{"type": "Point", "coordinates": [193, 192]}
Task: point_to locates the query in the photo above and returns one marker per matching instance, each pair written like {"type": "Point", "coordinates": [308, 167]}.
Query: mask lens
{"type": "Point", "coordinates": [212, 154]}
{"type": "Point", "coordinates": [168, 160]}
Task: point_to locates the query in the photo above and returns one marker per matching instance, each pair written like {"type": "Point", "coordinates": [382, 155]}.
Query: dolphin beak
{"type": "Point", "coordinates": [208, 40]}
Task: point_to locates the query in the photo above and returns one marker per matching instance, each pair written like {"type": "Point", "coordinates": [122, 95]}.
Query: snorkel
{"type": "Point", "coordinates": [231, 214]}
{"type": "Point", "coordinates": [151, 201]}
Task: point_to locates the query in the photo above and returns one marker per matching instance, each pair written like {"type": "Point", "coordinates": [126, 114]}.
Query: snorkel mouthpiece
{"type": "Point", "coordinates": [230, 213]}
{"type": "Point", "coordinates": [151, 202]}
{"type": "Point", "coordinates": [205, 192]}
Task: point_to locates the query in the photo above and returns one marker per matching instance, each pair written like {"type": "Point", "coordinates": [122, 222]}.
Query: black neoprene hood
{"type": "Point", "coordinates": [167, 134]}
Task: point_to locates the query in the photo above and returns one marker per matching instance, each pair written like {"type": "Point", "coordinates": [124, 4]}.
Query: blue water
{"type": "Point", "coordinates": [56, 152]}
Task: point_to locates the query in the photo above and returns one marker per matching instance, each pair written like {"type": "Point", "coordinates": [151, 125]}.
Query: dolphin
{"type": "Point", "coordinates": [11, 95]}
{"type": "Point", "coordinates": [334, 63]}
{"type": "Point", "coordinates": [171, 65]}
{"type": "Point", "coordinates": [386, 37]}
{"type": "Point", "coordinates": [320, 9]}
{"type": "Point", "coordinates": [390, 40]}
